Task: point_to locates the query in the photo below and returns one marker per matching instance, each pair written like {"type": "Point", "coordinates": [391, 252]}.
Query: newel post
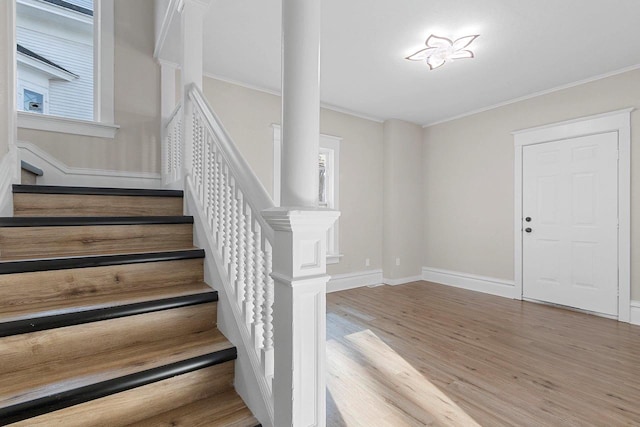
{"type": "Point", "coordinates": [192, 22]}
{"type": "Point", "coordinates": [299, 314]}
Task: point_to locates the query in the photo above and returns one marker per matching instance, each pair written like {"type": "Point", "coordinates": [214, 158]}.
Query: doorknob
{"type": "Point", "coordinates": [528, 219]}
{"type": "Point", "coordinates": [528, 230]}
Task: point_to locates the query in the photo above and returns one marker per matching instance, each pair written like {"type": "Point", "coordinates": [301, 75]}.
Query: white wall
{"type": "Point", "coordinates": [468, 176]}
{"type": "Point", "coordinates": [136, 147]}
{"type": "Point", "coordinates": [248, 114]}
{"type": "Point", "coordinates": [402, 200]}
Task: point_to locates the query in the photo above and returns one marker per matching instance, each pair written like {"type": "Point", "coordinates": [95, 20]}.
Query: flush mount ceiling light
{"type": "Point", "coordinates": [441, 50]}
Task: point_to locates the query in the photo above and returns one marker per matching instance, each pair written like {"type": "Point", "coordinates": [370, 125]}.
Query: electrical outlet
{"type": "Point", "coordinates": [397, 261]}
{"type": "Point", "coordinates": [367, 262]}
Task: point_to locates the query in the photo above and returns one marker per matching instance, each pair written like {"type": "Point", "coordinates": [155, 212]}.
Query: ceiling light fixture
{"type": "Point", "coordinates": [441, 50]}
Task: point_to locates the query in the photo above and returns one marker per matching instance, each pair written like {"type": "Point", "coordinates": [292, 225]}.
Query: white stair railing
{"type": "Point", "coordinates": [231, 199]}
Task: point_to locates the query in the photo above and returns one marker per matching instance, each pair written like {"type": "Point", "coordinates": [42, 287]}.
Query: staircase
{"type": "Point", "coordinates": [105, 319]}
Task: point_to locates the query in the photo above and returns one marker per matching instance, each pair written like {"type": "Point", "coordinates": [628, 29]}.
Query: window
{"type": "Point", "coordinates": [65, 49]}
{"type": "Point", "coordinates": [328, 183]}
{"type": "Point", "coordinates": [55, 47]}
{"type": "Point", "coordinates": [33, 101]}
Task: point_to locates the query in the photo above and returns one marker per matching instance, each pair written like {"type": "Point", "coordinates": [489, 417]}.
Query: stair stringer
{"type": "Point", "coordinates": [249, 380]}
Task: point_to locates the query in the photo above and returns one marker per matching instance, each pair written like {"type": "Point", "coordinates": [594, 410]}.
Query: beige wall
{"type": "Point", "coordinates": [248, 115]}
{"type": "Point", "coordinates": [402, 211]}
{"type": "Point", "coordinates": [136, 146]}
{"type": "Point", "coordinates": [468, 176]}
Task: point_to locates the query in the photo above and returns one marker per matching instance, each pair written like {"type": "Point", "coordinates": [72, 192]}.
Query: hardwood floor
{"type": "Point", "coordinates": [427, 354]}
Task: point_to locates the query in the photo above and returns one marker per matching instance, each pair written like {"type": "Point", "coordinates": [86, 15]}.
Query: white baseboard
{"type": "Point", "coordinates": [9, 167]}
{"type": "Point", "coordinates": [487, 285]}
{"type": "Point", "coordinates": [58, 173]}
{"type": "Point", "coordinates": [635, 313]}
{"type": "Point", "coordinates": [342, 282]}
{"type": "Point", "coordinates": [401, 281]}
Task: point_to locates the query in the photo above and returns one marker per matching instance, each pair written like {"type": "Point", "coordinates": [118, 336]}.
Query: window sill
{"type": "Point", "coordinates": [49, 123]}
{"type": "Point", "coordinates": [334, 258]}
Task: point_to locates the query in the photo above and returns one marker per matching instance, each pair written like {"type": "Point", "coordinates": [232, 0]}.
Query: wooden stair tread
{"type": "Point", "coordinates": [222, 410]}
{"type": "Point", "coordinates": [96, 260]}
{"type": "Point", "coordinates": [75, 303]}
{"type": "Point", "coordinates": [126, 407]}
{"type": "Point", "coordinates": [46, 241]}
{"type": "Point", "coordinates": [58, 376]}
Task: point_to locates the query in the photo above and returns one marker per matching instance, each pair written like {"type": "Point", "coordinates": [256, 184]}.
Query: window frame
{"type": "Point", "coordinates": [102, 125]}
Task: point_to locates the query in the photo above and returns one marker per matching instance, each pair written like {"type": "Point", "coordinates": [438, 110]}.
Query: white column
{"type": "Point", "coordinates": [191, 74]}
{"type": "Point", "coordinates": [299, 314]}
{"type": "Point", "coordinates": [300, 102]}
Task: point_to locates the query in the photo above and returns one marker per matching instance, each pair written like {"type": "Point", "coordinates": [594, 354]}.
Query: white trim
{"type": "Point", "coordinates": [616, 121]}
{"type": "Point", "coordinates": [27, 120]}
{"type": "Point", "coordinates": [103, 61]}
{"type": "Point", "coordinates": [9, 172]}
{"type": "Point", "coordinates": [472, 282]}
{"type": "Point", "coordinates": [173, 10]}
{"type": "Point", "coordinates": [342, 282]}
{"type": "Point", "coordinates": [12, 72]}
{"type": "Point", "coordinates": [634, 317]}
{"type": "Point", "coordinates": [401, 281]}
{"type": "Point", "coordinates": [51, 71]}
{"type": "Point", "coordinates": [535, 94]}
{"type": "Point", "coordinates": [277, 93]}
{"type": "Point", "coordinates": [58, 173]}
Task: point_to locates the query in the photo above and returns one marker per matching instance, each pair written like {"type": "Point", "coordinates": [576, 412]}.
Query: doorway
{"type": "Point", "coordinates": [572, 214]}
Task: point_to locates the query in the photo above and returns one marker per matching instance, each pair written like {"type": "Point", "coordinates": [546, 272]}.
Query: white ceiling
{"type": "Point", "coordinates": [525, 47]}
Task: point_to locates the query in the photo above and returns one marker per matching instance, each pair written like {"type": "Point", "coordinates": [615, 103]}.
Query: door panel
{"type": "Point", "coordinates": [570, 190]}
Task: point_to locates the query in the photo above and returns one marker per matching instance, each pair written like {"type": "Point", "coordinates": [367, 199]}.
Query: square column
{"type": "Point", "coordinates": [299, 319]}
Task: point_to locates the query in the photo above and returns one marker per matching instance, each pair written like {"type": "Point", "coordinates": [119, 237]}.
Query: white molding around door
{"type": "Point", "coordinates": [616, 121]}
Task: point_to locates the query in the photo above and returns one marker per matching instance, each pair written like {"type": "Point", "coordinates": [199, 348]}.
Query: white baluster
{"type": "Point", "coordinates": [226, 235]}
{"type": "Point", "coordinates": [210, 185]}
{"type": "Point", "coordinates": [240, 249]}
{"type": "Point", "coordinates": [267, 351]}
{"type": "Point", "coordinates": [249, 269]}
{"type": "Point", "coordinates": [258, 331]}
{"type": "Point", "coordinates": [233, 233]}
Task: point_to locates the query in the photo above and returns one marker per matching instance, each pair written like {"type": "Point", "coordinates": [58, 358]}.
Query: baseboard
{"type": "Point", "coordinates": [635, 313]}
{"type": "Point", "coordinates": [8, 176]}
{"type": "Point", "coordinates": [55, 172]}
{"type": "Point", "coordinates": [342, 282]}
{"type": "Point", "coordinates": [487, 285]}
{"type": "Point", "coordinates": [401, 281]}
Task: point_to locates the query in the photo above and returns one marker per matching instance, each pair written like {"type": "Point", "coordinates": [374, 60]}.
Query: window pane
{"type": "Point", "coordinates": [55, 53]}
{"type": "Point", "coordinates": [33, 101]}
{"type": "Point", "coordinates": [322, 181]}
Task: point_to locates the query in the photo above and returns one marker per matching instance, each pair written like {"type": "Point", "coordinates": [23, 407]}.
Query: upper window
{"type": "Point", "coordinates": [55, 53]}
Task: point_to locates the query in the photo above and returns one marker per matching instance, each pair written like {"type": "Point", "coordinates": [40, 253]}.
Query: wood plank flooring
{"type": "Point", "coordinates": [426, 354]}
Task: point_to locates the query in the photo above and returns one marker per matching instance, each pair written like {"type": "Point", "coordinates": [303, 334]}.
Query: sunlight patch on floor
{"type": "Point", "coordinates": [372, 385]}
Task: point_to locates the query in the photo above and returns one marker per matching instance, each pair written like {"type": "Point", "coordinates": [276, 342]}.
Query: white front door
{"type": "Point", "coordinates": [570, 222]}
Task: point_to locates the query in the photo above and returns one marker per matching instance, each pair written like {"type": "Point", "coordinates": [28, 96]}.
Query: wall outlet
{"type": "Point", "coordinates": [397, 261]}
{"type": "Point", "coordinates": [367, 262]}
